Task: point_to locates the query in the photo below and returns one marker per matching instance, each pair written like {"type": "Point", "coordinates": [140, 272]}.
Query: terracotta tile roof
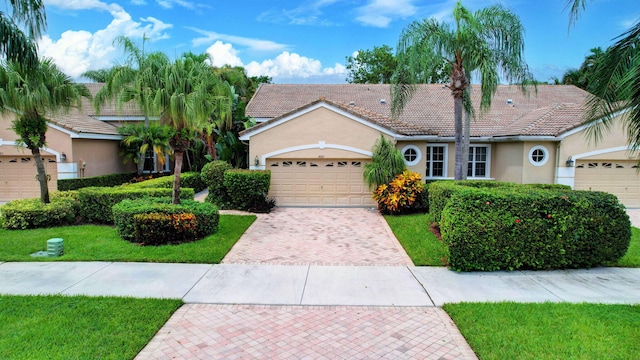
{"type": "Point", "coordinates": [431, 108]}
{"type": "Point", "coordinates": [84, 120]}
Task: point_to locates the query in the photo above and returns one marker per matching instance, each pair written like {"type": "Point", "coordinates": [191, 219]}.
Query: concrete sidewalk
{"type": "Point", "coordinates": [318, 285]}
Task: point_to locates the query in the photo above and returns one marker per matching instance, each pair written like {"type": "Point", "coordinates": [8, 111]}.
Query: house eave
{"type": "Point", "coordinates": [448, 139]}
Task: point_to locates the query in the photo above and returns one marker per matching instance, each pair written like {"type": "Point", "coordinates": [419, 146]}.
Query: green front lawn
{"type": "Point", "coordinates": [59, 327]}
{"type": "Point", "coordinates": [549, 330]}
{"type": "Point", "coordinates": [422, 246]}
{"type": "Point", "coordinates": [424, 249]}
{"type": "Point", "coordinates": [101, 243]}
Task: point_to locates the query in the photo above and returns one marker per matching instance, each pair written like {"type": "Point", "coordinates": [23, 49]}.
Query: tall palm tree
{"type": "Point", "coordinates": [132, 81]}
{"type": "Point", "coordinates": [33, 94]}
{"type": "Point", "coordinates": [185, 101]}
{"type": "Point", "coordinates": [616, 90]}
{"type": "Point", "coordinates": [15, 44]}
{"type": "Point", "coordinates": [489, 42]}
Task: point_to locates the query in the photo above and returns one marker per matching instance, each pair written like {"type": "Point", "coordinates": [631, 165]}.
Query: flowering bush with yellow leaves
{"type": "Point", "coordinates": [399, 195]}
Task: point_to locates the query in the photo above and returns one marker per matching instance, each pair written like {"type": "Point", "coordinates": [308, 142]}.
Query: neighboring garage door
{"type": "Point", "coordinates": [616, 177]}
{"type": "Point", "coordinates": [310, 182]}
{"type": "Point", "coordinates": [18, 177]}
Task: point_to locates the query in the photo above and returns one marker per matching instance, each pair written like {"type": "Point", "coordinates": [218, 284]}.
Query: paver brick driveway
{"type": "Point", "coordinates": [319, 236]}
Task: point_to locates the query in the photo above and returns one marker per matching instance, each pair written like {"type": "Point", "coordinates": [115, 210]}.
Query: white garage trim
{"type": "Point", "coordinates": [600, 152]}
{"type": "Point", "coordinates": [567, 175]}
{"type": "Point", "coordinates": [319, 145]}
{"type": "Point", "coordinates": [49, 150]}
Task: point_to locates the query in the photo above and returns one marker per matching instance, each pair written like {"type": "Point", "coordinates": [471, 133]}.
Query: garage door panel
{"type": "Point", "coordinates": [619, 178]}
{"type": "Point", "coordinates": [318, 183]}
{"type": "Point", "coordinates": [18, 177]}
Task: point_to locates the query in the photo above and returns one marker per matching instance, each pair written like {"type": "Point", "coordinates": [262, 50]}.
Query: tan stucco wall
{"type": "Point", "coordinates": [101, 157]}
{"type": "Point", "coordinates": [420, 167]}
{"type": "Point", "coordinates": [544, 174]}
{"type": "Point", "coordinates": [56, 140]}
{"type": "Point", "coordinates": [580, 143]}
{"type": "Point", "coordinates": [506, 161]}
{"type": "Point", "coordinates": [319, 125]}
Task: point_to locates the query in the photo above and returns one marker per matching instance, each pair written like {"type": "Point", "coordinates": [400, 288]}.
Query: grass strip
{"type": "Point", "coordinates": [632, 257]}
{"type": "Point", "coordinates": [422, 246]}
{"type": "Point", "coordinates": [549, 330]}
{"type": "Point", "coordinates": [102, 243]}
{"type": "Point", "coordinates": [78, 327]}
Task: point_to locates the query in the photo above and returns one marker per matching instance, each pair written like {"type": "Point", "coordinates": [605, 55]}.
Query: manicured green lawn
{"type": "Point", "coordinates": [549, 330]}
{"type": "Point", "coordinates": [101, 243]}
{"type": "Point", "coordinates": [59, 327]}
{"type": "Point", "coordinates": [422, 246]}
{"type": "Point", "coordinates": [632, 257]}
{"type": "Point", "coordinates": [425, 249]}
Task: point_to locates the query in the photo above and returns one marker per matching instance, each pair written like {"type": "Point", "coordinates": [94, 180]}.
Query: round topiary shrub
{"type": "Point", "coordinates": [212, 175]}
{"type": "Point", "coordinates": [171, 223]}
{"type": "Point", "coordinates": [32, 213]}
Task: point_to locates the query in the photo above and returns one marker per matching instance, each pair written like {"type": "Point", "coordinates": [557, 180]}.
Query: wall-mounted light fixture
{"type": "Point", "coordinates": [570, 162]}
{"type": "Point", "coordinates": [63, 157]}
{"type": "Point", "coordinates": [256, 161]}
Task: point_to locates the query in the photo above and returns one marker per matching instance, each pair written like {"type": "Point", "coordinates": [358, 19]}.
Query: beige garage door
{"type": "Point", "coordinates": [306, 182]}
{"type": "Point", "coordinates": [18, 177]}
{"type": "Point", "coordinates": [616, 177]}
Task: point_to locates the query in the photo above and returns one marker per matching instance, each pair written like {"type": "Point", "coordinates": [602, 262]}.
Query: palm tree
{"type": "Point", "coordinates": [185, 101]}
{"type": "Point", "coordinates": [33, 94]}
{"type": "Point", "coordinates": [140, 139]}
{"type": "Point", "coordinates": [616, 90]}
{"type": "Point", "coordinates": [15, 44]}
{"type": "Point", "coordinates": [489, 42]}
{"type": "Point", "coordinates": [132, 81]}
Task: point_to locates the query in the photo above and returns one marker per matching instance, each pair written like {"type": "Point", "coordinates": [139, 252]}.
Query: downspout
{"type": "Point", "coordinates": [555, 170]}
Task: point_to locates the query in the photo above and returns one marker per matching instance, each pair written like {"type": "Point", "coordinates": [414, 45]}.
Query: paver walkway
{"type": "Point", "coordinates": [207, 331]}
{"type": "Point", "coordinates": [319, 236]}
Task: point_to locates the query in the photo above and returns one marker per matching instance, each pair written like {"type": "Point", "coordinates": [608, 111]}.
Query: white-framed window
{"type": "Point", "coordinates": [151, 162]}
{"type": "Point", "coordinates": [436, 159]}
{"type": "Point", "coordinates": [479, 161]}
{"type": "Point", "coordinates": [538, 155]}
{"type": "Point", "coordinates": [412, 155]}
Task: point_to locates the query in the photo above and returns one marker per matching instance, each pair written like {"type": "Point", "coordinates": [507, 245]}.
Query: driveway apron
{"type": "Point", "coordinates": [311, 236]}
{"type": "Point", "coordinates": [319, 236]}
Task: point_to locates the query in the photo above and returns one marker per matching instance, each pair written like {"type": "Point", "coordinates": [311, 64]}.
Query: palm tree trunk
{"type": "Point", "coordinates": [457, 113]}
{"type": "Point", "coordinates": [141, 160]}
{"type": "Point", "coordinates": [465, 144]}
{"type": "Point", "coordinates": [42, 176]}
{"type": "Point", "coordinates": [176, 176]}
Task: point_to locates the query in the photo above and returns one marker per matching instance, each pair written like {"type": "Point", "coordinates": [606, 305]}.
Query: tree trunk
{"type": "Point", "coordinates": [177, 169]}
{"type": "Point", "coordinates": [211, 147]}
{"type": "Point", "coordinates": [141, 160]}
{"type": "Point", "coordinates": [465, 144]}
{"type": "Point", "coordinates": [42, 176]}
{"type": "Point", "coordinates": [457, 111]}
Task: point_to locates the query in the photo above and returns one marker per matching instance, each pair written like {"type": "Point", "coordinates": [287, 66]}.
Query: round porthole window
{"type": "Point", "coordinates": [411, 155]}
{"type": "Point", "coordinates": [538, 155]}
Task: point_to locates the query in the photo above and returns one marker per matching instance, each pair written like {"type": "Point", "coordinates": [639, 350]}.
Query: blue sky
{"type": "Point", "coordinates": [306, 41]}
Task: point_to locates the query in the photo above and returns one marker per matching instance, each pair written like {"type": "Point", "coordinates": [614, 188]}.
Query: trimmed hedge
{"type": "Point", "coordinates": [32, 213]}
{"type": "Point", "coordinates": [521, 227]}
{"type": "Point", "coordinates": [248, 189]}
{"type": "Point", "coordinates": [162, 229]}
{"type": "Point", "coordinates": [96, 202]}
{"type": "Point", "coordinates": [212, 175]}
{"type": "Point", "coordinates": [104, 180]}
{"type": "Point", "coordinates": [124, 213]}
{"type": "Point", "coordinates": [441, 191]}
{"type": "Point", "coordinates": [187, 180]}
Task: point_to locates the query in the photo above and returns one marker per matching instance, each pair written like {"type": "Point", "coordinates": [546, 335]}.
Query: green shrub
{"type": "Point", "coordinates": [520, 227]}
{"type": "Point", "coordinates": [32, 213]}
{"type": "Point", "coordinates": [206, 214]}
{"type": "Point", "coordinates": [399, 195]}
{"type": "Point", "coordinates": [102, 181]}
{"type": "Point", "coordinates": [162, 229]}
{"type": "Point", "coordinates": [96, 202]}
{"type": "Point", "coordinates": [247, 189]}
{"type": "Point", "coordinates": [212, 175]}
{"type": "Point", "coordinates": [187, 180]}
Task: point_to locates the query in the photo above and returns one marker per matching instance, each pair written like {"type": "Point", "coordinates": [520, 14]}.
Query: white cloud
{"type": "Point", "coordinates": [309, 13]}
{"type": "Point", "coordinates": [254, 44]}
{"type": "Point", "coordinates": [78, 51]}
{"type": "Point", "coordinates": [168, 4]}
{"type": "Point", "coordinates": [223, 54]}
{"type": "Point", "coordinates": [291, 65]}
{"type": "Point", "coordinates": [379, 13]}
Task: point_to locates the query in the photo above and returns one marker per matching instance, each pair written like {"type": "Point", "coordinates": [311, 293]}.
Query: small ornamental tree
{"type": "Point", "coordinates": [386, 163]}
